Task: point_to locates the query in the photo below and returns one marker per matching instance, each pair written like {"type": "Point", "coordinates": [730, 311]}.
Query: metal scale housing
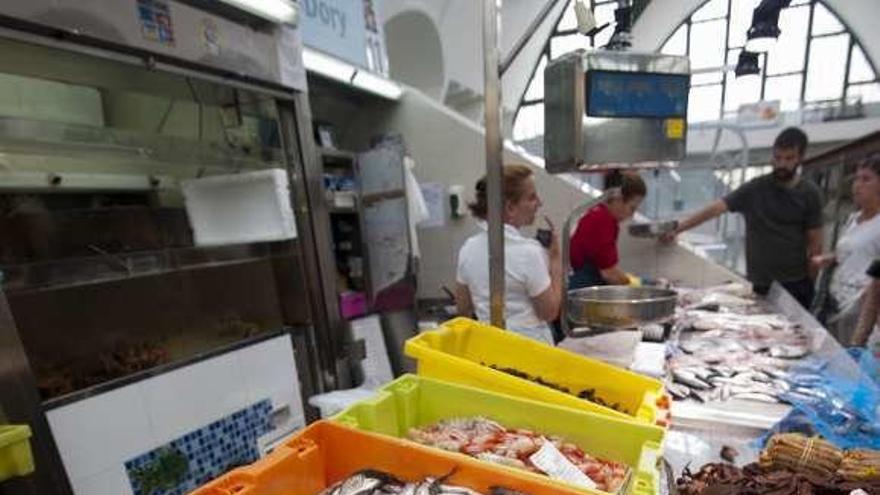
{"type": "Point", "coordinates": [614, 108]}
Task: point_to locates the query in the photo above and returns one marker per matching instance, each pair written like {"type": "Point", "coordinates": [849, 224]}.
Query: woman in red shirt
{"type": "Point", "coordinates": [593, 246]}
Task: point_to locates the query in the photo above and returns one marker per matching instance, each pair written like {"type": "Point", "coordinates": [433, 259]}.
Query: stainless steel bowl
{"type": "Point", "coordinates": [619, 307]}
{"type": "Point", "coordinates": [652, 229]}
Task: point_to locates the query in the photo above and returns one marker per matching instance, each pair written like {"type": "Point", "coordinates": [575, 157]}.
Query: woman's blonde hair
{"type": "Point", "coordinates": [513, 184]}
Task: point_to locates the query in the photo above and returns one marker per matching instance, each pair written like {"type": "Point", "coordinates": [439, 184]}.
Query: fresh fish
{"type": "Point", "coordinates": [785, 351]}
{"type": "Point", "coordinates": [429, 486]}
{"type": "Point", "coordinates": [805, 380]}
{"type": "Point", "coordinates": [678, 391]}
{"type": "Point", "coordinates": [700, 396]}
{"type": "Point", "coordinates": [361, 483]}
{"type": "Point", "coordinates": [724, 371]}
{"type": "Point", "coordinates": [753, 346]}
{"type": "Point", "coordinates": [757, 396]}
{"type": "Point", "coordinates": [809, 392]}
{"type": "Point", "coordinates": [758, 376]}
{"type": "Point", "coordinates": [690, 379]}
{"type": "Point", "coordinates": [725, 393]}
{"type": "Point", "coordinates": [781, 385]}
{"type": "Point", "coordinates": [371, 482]}
{"type": "Point", "coordinates": [460, 490]}
{"type": "Point", "coordinates": [753, 388]}
{"type": "Point", "coordinates": [693, 346]}
{"type": "Point", "coordinates": [774, 372]}
{"type": "Point", "coordinates": [721, 380]}
{"type": "Point", "coordinates": [500, 490]}
{"type": "Point", "coordinates": [703, 373]}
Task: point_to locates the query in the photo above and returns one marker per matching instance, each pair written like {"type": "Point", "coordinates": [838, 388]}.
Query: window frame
{"type": "Point", "coordinates": [545, 52]}
{"type": "Point", "coordinates": [687, 23]}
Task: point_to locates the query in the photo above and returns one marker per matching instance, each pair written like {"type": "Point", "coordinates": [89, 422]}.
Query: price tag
{"type": "Point", "coordinates": [555, 465]}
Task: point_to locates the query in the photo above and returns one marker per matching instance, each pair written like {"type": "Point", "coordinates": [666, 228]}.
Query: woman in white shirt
{"type": "Point", "coordinates": [857, 247]}
{"type": "Point", "coordinates": [533, 275]}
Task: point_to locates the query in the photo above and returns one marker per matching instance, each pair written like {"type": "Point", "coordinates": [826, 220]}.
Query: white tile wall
{"type": "Point", "coordinates": [189, 398]}
{"type": "Point", "coordinates": [113, 481]}
{"type": "Point", "coordinates": [96, 436]}
{"type": "Point", "coordinates": [269, 370]}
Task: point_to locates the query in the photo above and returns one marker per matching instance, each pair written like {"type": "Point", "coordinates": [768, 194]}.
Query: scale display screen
{"type": "Point", "coordinates": [616, 94]}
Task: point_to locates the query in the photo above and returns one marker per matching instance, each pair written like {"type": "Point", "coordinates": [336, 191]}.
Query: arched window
{"type": "Point", "coordinates": [816, 59]}
{"type": "Point", "coordinates": [529, 121]}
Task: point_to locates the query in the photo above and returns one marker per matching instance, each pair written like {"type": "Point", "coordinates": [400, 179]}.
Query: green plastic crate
{"type": "Point", "coordinates": [415, 401]}
{"type": "Point", "coordinates": [15, 451]}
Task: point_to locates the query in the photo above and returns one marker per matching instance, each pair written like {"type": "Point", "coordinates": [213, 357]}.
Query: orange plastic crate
{"type": "Point", "coordinates": [326, 452]}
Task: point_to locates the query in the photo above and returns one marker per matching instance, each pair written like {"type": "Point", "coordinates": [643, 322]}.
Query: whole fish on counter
{"type": "Point", "coordinates": [372, 482]}
{"type": "Point", "coordinates": [732, 347]}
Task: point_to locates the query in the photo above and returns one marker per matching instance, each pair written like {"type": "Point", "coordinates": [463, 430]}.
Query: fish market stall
{"type": "Point", "coordinates": [731, 358]}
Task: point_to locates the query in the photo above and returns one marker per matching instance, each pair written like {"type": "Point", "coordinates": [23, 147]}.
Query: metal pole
{"type": "Point", "coordinates": [492, 119]}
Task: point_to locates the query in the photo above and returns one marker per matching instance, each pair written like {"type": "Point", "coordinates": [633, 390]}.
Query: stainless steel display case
{"type": "Point", "coordinates": [102, 282]}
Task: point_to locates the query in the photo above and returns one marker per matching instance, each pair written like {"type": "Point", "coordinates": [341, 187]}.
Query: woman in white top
{"type": "Point", "coordinates": [533, 275]}
{"type": "Point", "coordinates": [857, 247]}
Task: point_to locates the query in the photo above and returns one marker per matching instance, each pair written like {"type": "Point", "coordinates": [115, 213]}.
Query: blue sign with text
{"type": "Point", "coordinates": [337, 27]}
{"type": "Point", "coordinates": [636, 94]}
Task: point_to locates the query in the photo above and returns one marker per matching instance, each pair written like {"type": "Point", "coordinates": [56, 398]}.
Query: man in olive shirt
{"type": "Point", "coordinates": [783, 215]}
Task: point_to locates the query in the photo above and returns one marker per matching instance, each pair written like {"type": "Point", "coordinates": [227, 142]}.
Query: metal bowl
{"type": "Point", "coordinates": [615, 306]}
{"type": "Point", "coordinates": [652, 229]}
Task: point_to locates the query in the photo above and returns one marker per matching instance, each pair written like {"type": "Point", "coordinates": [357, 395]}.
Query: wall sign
{"type": "Point", "coordinates": [347, 29]}
{"type": "Point", "coordinates": [155, 20]}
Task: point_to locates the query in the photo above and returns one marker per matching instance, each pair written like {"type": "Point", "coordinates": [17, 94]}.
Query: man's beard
{"type": "Point", "coordinates": [784, 174]}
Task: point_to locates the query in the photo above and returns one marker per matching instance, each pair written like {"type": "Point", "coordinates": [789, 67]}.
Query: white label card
{"type": "Point", "coordinates": [550, 460]}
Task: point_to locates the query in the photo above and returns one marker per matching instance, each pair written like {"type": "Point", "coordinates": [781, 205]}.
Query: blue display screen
{"type": "Point", "coordinates": [637, 94]}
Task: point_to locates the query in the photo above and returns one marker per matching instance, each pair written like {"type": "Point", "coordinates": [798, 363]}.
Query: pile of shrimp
{"type": "Point", "coordinates": [487, 440]}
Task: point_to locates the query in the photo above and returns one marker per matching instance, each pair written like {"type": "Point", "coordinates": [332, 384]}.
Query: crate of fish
{"type": "Point", "coordinates": [471, 353]}
{"type": "Point", "coordinates": [332, 459]}
{"type": "Point", "coordinates": [605, 454]}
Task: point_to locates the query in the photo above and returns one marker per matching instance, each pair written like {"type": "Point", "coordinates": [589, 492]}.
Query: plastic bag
{"type": "Point", "coordinates": [833, 399]}
{"type": "Point", "coordinates": [868, 362]}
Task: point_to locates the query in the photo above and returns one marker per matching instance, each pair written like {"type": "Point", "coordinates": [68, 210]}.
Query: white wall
{"type": "Point", "coordinates": [459, 24]}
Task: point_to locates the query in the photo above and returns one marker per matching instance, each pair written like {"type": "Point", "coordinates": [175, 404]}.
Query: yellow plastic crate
{"type": "Point", "coordinates": [462, 351]}
{"type": "Point", "coordinates": [15, 451]}
{"type": "Point", "coordinates": [415, 401]}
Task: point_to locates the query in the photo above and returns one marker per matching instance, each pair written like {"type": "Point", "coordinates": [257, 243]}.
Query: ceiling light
{"type": "Point", "coordinates": [328, 66]}
{"type": "Point", "coordinates": [377, 84]}
{"type": "Point", "coordinates": [748, 64]}
{"type": "Point", "coordinates": [764, 31]}
{"type": "Point", "coordinates": [280, 11]}
{"type": "Point", "coordinates": [333, 68]}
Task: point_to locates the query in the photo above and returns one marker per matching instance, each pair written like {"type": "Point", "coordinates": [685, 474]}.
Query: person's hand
{"type": "Point", "coordinates": [554, 249]}
{"type": "Point", "coordinates": [822, 260]}
{"type": "Point", "coordinates": [669, 237]}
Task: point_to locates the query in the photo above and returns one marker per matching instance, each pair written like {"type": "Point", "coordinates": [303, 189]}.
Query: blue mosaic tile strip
{"type": "Point", "coordinates": [192, 460]}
